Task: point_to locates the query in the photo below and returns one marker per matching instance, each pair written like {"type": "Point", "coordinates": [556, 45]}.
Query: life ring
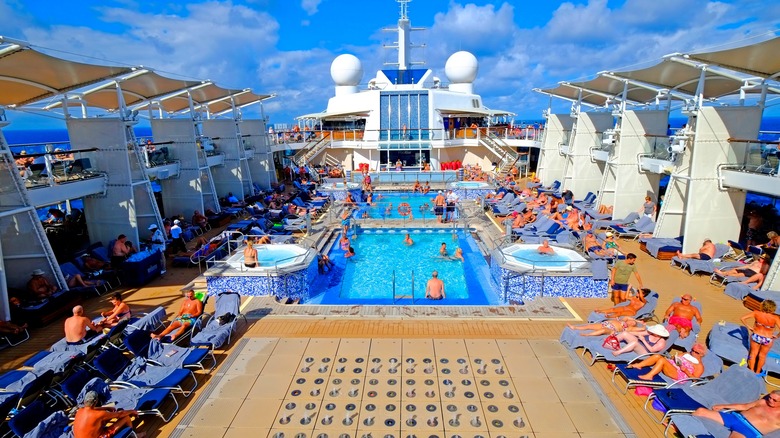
{"type": "Point", "coordinates": [404, 209]}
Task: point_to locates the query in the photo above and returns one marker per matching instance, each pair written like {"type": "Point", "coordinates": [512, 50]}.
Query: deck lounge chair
{"type": "Point", "coordinates": [553, 188]}
{"type": "Point", "coordinates": [26, 420]}
{"type": "Point", "coordinates": [27, 385]}
{"type": "Point", "coordinates": [642, 226]}
{"type": "Point", "coordinates": [148, 401]}
{"type": "Point", "coordinates": [150, 321]}
{"type": "Point", "coordinates": [573, 339]}
{"type": "Point", "coordinates": [586, 202]}
{"type": "Point", "coordinates": [713, 365]}
{"type": "Point", "coordinates": [140, 373]}
{"type": "Point", "coordinates": [598, 352]}
{"type": "Point", "coordinates": [222, 324]}
{"type": "Point", "coordinates": [606, 223]}
{"type": "Point", "coordinates": [645, 313]}
{"type": "Point", "coordinates": [687, 342]}
{"type": "Point", "coordinates": [731, 343]}
{"type": "Point", "coordinates": [694, 266]}
{"type": "Point", "coordinates": [140, 344]}
{"type": "Point", "coordinates": [661, 248]}
{"type": "Point", "coordinates": [735, 385]}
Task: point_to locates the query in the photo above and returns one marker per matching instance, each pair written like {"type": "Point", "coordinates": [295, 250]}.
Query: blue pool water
{"type": "Point", "coordinates": [383, 264]}
{"type": "Point", "coordinates": [532, 256]}
{"type": "Point", "coordinates": [386, 205]}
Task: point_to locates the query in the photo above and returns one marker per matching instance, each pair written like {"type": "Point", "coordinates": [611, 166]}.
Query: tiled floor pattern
{"type": "Point", "coordinates": [540, 308]}
{"type": "Point", "coordinates": [320, 388]}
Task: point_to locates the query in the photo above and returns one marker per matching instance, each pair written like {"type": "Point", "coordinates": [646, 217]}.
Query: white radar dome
{"type": "Point", "coordinates": [461, 67]}
{"type": "Point", "coordinates": [346, 70]}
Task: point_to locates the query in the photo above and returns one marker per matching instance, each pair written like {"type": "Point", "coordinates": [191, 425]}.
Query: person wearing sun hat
{"type": "Point", "coordinates": [652, 340]}
{"type": "Point", "coordinates": [39, 286]}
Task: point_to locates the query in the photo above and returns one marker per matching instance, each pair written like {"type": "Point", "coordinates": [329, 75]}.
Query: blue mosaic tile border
{"type": "Point", "coordinates": [294, 285]}
{"type": "Point", "coordinates": [514, 286]}
{"type": "Point", "coordinates": [469, 194]}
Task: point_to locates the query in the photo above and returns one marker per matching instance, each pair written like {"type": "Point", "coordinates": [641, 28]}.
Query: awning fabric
{"type": "Point", "coordinates": [28, 76]}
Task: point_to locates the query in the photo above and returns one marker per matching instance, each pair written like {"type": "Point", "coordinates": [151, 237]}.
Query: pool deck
{"type": "Point", "coordinates": [566, 384]}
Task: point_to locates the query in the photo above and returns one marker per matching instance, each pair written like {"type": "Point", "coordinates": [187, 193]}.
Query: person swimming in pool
{"type": "Point", "coordinates": [434, 290]}
{"type": "Point", "coordinates": [408, 240]}
{"type": "Point", "coordinates": [458, 255]}
{"type": "Point", "coordinates": [443, 251]}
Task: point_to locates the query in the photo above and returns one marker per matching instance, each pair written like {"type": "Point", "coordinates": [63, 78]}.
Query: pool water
{"type": "Point", "coordinates": [383, 265]}
{"type": "Point", "coordinates": [386, 205]}
{"type": "Point", "coordinates": [271, 256]}
{"type": "Point", "coordinates": [471, 185]}
{"type": "Point", "coordinates": [532, 256]}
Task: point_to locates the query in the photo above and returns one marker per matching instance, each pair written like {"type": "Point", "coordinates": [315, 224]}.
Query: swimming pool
{"type": "Point", "coordinates": [526, 256]}
{"type": "Point", "coordinates": [384, 270]}
{"type": "Point", "coordinates": [385, 206]}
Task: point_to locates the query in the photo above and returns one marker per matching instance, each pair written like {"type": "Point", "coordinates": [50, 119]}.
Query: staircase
{"type": "Point", "coordinates": [507, 156]}
{"type": "Point", "coordinates": [312, 149]}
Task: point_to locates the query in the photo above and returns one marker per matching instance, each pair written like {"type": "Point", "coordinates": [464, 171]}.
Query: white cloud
{"type": "Point", "coordinates": [310, 6]}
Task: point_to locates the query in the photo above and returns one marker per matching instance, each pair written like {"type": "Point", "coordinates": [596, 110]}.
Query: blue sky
{"type": "Point", "coordinates": [286, 46]}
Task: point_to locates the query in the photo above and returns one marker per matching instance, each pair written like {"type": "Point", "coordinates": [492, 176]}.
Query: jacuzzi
{"type": "Point", "coordinates": [270, 258]}
{"type": "Point", "coordinates": [526, 257]}
{"type": "Point", "coordinates": [471, 189]}
{"type": "Point", "coordinates": [470, 185]}
{"type": "Point", "coordinates": [338, 191]}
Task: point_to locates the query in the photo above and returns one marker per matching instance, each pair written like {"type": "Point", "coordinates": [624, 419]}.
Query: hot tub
{"type": "Point", "coordinates": [470, 185]}
{"type": "Point", "coordinates": [338, 191]}
{"type": "Point", "coordinates": [526, 257]}
{"type": "Point", "coordinates": [471, 189]}
{"type": "Point", "coordinates": [270, 257]}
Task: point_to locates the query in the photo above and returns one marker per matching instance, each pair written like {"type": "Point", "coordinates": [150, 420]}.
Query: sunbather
{"type": "Point", "coordinates": [678, 367]}
{"type": "Point", "coordinates": [592, 244]}
{"type": "Point", "coordinates": [609, 326]}
{"type": "Point", "coordinates": [766, 325]}
{"type": "Point", "coordinates": [680, 315]}
{"type": "Point", "coordinates": [93, 421]}
{"type": "Point", "coordinates": [635, 302]}
{"type": "Point", "coordinates": [749, 420]}
{"type": "Point", "coordinates": [753, 272]}
{"type": "Point", "coordinates": [119, 312]}
{"type": "Point", "coordinates": [190, 309]}
{"type": "Point", "coordinates": [706, 252]}
{"type": "Point", "coordinates": [652, 340]}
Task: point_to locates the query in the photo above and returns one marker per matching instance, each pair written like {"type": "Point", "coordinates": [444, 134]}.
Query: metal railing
{"type": "Point", "coordinates": [56, 167]}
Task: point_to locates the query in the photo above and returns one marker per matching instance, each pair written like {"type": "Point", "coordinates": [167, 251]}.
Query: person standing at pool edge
{"type": "Point", "coordinates": [434, 290]}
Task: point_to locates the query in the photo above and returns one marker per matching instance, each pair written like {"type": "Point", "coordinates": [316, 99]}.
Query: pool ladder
{"type": "Point", "coordinates": [397, 297]}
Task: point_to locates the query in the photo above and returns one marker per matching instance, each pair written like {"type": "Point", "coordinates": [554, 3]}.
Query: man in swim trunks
{"type": "Point", "coordinates": [680, 315]}
{"type": "Point", "coordinates": [190, 309]}
{"type": "Point", "coordinates": [438, 203]}
{"type": "Point", "coordinates": [90, 420]}
{"type": "Point", "coordinates": [76, 327]}
{"type": "Point", "coordinates": [753, 272]}
{"type": "Point", "coordinates": [753, 420]}
{"type": "Point", "coordinates": [618, 281]}
{"type": "Point", "coordinates": [434, 290]}
{"type": "Point", "coordinates": [706, 252]}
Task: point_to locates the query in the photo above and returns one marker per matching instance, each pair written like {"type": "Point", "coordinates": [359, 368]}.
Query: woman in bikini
{"type": "Point", "coordinates": [609, 326]}
{"type": "Point", "coordinates": [766, 326]}
{"type": "Point", "coordinates": [250, 255]}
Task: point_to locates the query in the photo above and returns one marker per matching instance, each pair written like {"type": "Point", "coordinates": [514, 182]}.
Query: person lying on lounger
{"type": "Point", "coordinates": [651, 340]}
{"type": "Point", "coordinates": [706, 252]}
{"type": "Point", "coordinates": [678, 367]}
{"type": "Point", "coordinates": [749, 420]}
{"type": "Point", "coordinates": [609, 326]}
{"type": "Point", "coordinates": [753, 272]}
{"type": "Point", "coordinates": [635, 302]}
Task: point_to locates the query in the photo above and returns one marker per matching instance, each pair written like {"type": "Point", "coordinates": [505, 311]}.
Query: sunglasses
{"type": "Point", "coordinates": [685, 299]}
{"type": "Point", "coordinates": [776, 400]}
{"type": "Point", "coordinates": [697, 352]}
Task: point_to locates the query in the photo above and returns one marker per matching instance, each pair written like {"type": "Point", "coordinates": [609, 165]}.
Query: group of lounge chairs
{"type": "Point", "coordinates": [670, 401]}
{"type": "Point", "coordinates": [126, 367]}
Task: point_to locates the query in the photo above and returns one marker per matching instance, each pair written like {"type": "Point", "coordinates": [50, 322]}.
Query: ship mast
{"type": "Point", "coordinates": [404, 44]}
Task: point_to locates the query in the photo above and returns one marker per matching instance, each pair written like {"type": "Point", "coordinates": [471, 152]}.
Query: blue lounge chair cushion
{"type": "Point", "coordinates": [632, 374]}
{"type": "Point", "coordinates": [52, 427]}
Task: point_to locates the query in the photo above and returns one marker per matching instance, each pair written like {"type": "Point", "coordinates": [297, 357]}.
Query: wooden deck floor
{"type": "Point", "coordinates": [656, 274]}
